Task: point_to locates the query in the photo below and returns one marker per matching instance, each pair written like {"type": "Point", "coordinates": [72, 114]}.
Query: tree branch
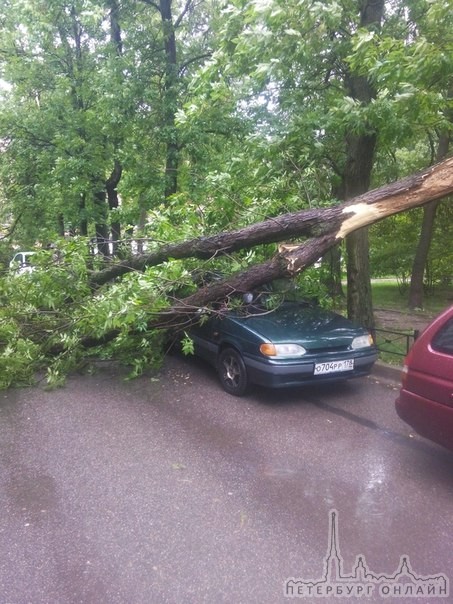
{"type": "Point", "coordinates": [206, 55]}
{"type": "Point", "coordinates": [183, 13]}
{"type": "Point", "coordinates": [151, 3]}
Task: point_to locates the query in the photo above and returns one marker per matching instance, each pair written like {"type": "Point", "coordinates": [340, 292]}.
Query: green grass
{"type": "Point", "coordinates": [388, 294]}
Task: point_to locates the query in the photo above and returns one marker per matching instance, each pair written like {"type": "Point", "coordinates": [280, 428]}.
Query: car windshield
{"type": "Point", "coordinates": [269, 303]}
{"type": "Point", "coordinates": [22, 257]}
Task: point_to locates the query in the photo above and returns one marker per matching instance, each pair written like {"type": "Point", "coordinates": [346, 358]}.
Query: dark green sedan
{"type": "Point", "coordinates": [293, 345]}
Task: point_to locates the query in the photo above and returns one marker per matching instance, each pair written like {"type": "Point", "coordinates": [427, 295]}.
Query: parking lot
{"type": "Point", "coordinates": [167, 489]}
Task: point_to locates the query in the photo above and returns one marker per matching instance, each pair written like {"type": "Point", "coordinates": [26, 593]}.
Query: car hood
{"type": "Point", "coordinates": [314, 327]}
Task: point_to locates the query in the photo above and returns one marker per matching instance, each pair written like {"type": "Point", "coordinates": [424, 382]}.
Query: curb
{"type": "Point", "coordinates": [386, 371]}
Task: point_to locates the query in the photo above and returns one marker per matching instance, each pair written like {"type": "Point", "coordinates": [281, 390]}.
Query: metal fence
{"type": "Point", "coordinates": [394, 342]}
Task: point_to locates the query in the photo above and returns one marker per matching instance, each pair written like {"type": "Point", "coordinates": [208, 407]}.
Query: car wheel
{"type": "Point", "coordinates": [232, 372]}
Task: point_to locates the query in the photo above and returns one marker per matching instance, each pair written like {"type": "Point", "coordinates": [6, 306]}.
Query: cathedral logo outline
{"type": "Point", "coordinates": [363, 582]}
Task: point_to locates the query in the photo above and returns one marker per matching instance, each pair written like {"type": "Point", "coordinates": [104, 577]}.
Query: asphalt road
{"type": "Point", "coordinates": [169, 490]}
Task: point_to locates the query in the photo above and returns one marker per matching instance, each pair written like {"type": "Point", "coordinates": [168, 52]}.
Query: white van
{"type": "Point", "coordinates": [21, 263]}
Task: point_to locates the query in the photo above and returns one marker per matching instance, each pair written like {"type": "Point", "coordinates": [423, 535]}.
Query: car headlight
{"type": "Point", "coordinates": [364, 341]}
{"type": "Point", "coordinates": [282, 350]}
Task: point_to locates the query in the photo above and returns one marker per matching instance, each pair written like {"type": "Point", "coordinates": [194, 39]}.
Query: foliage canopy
{"type": "Point", "coordinates": [129, 125]}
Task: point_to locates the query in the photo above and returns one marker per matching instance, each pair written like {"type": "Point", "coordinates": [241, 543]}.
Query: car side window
{"type": "Point", "coordinates": [443, 340]}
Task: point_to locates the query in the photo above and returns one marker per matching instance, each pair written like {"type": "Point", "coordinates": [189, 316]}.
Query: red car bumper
{"type": "Point", "coordinates": [428, 418]}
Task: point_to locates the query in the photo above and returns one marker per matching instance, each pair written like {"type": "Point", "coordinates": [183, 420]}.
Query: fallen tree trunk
{"type": "Point", "coordinates": [328, 225]}
{"type": "Point", "coordinates": [324, 227]}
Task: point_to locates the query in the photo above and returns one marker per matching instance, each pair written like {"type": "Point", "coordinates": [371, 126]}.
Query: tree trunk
{"type": "Point", "coordinates": [115, 29]}
{"type": "Point", "coordinates": [141, 224]}
{"type": "Point", "coordinates": [170, 93]}
{"type": "Point", "coordinates": [102, 231]}
{"type": "Point", "coordinates": [170, 99]}
{"type": "Point", "coordinates": [416, 290]}
{"type": "Point", "coordinates": [416, 293]}
{"type": "Point", "coordinates": [332, 263]}
{"type": "Point", "coordinates": [60, 225]}
{"type": "Point", "coordinates": [115, 177]}
{"type": "Point", "coordinates": [359, 305]}
{"type": "Point", "coordinates": [356, 181]}
{"type": "Point", "coordinates": [83, 221]}
{"type": "Point", "coordinates": [357, 175]}
{"type": "Point", "coordinates": [112, 196]}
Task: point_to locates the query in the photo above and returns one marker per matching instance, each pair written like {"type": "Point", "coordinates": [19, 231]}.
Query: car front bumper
{"type": "Point", "coordinates": [280, 374]}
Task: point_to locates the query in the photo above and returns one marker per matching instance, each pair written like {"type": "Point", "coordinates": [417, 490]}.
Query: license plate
{"type": "Point", "coordinates": [334, 366]}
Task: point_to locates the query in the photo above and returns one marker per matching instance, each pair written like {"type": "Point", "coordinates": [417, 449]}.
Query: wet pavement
{"type": "Point", "coordinates": [169, 490]}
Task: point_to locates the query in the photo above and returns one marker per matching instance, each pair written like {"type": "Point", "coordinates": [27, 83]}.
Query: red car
{"type": "Point", "coordinates": [425, 401]}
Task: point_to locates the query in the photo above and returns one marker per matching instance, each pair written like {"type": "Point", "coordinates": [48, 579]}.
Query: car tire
{"type": "Point", "coordinates": [232, 372]}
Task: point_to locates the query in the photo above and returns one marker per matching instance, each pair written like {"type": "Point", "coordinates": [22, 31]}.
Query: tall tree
{"type": "Point", "coordinates": [360, 151]}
